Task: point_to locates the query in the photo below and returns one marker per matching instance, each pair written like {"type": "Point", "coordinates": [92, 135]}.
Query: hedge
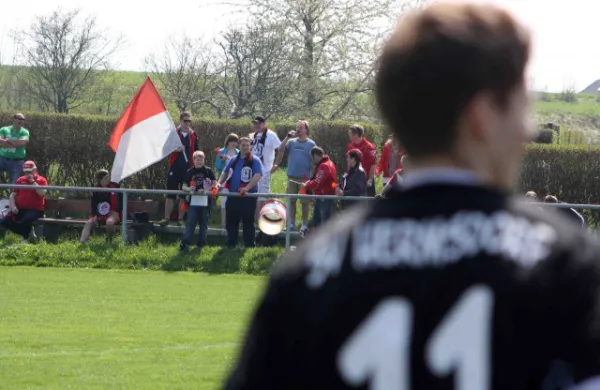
{"type": "Point", "coordinates": [68, 149]}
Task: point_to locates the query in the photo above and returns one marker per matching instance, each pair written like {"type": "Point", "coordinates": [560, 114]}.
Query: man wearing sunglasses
{"type": "Point", "coordinates": [13, 144]}
{"type": "Point", "coordinates": [179, 162]}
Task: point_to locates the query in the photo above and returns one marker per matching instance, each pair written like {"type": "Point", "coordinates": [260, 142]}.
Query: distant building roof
{"type": "Point", "coordinates": [593, 88]}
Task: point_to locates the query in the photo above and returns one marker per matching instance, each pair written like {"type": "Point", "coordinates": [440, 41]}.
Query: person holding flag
{"type": "Point", "coordinates": [323, 182]}
{"type": "Point", "coordinates": [179, 162]}
{"type": "Point", "coordinates": [242, 174]}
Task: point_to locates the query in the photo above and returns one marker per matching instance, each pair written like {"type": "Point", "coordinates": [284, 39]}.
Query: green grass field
{"type": "Point", "coordinates": [106, 329]}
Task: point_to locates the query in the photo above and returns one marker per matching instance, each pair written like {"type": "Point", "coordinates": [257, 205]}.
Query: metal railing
{"type": "Point", "coordinates": [287, 197]}
{"type": "Point", "coordinates": [126, 191]}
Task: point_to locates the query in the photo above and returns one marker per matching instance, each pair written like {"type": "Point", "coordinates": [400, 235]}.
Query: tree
{"type": "Point", "coordinates": [62, 57]}
{"type": "Point", "coordinates": [185, 72]}
{"type": "Point", "coordinates": [256, 74]}
{"type": "Point", "coordinates": [336, 43]}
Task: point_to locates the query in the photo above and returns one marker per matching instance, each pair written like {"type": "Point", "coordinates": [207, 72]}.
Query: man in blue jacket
{"type": "Point", "coordinates": [243, 173]}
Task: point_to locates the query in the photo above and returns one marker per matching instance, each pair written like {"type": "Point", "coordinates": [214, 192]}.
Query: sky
{"type": "Point", "coordinates": [565, 52]}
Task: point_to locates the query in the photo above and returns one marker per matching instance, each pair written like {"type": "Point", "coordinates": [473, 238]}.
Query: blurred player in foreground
{"type": "Point", "coordinates": [450, 283]}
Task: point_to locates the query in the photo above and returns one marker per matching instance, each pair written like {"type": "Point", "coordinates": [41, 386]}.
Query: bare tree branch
{"type": "Point", "coordinates": [63, 57]}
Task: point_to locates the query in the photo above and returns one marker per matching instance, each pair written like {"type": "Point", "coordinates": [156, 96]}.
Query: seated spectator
{"type": "Point", "coordinates": [397, 177]}
{"type": "Point", "coordinates": [570, 213]}
{"type": "Point", "coordinates": [355, 179]}
{"type": "Point", "coordinates": [26, 205]}
{"type": "Point", "coordinates": [198, 180]}
{"type": "Point", "coordinates": [106, 207]}
{"type": "Point", "coordinates": [322, 182]}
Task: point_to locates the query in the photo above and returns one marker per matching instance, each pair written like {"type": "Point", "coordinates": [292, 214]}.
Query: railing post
{"type": "Point", "coordinates": [288, 215]}
{"type": "Point", "coordinates": [124, 219]}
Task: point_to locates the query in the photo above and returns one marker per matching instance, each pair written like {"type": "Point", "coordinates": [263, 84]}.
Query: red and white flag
{"type": "Point", "coordinates": [144, 134]}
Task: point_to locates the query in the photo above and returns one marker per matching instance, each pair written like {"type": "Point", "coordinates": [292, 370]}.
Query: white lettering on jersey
{"type": "Point", "coordinates": [439, 241]}
{"type": "Point", "coordinates": [325, 259]}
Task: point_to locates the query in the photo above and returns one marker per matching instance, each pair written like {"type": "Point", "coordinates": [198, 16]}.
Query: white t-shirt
{"type": "Point", "coordinates": [266, 152]}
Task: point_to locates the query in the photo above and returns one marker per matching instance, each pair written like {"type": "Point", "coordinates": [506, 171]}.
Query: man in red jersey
{"type": "Point", "coordinates": [26, 205]}
{"type": "Point", "coordinates": [369, 154]}
{"type": "Point", "coordinates": [323, 182]}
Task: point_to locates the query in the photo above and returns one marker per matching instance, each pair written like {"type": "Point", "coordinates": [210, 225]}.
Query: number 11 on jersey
{"type": "Point", "coordinates": [379, 349]}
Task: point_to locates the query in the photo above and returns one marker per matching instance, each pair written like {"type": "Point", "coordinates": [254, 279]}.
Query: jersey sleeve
{"type": "Point", "coordinates": [261, 363]}
{"type": "Point", "coordinates": [257, 166]}
{"type": "Point", "coordinates": [25, 135]}
{"type": "Point", "coordinates": [275, 141]}
{"type": "Point", "coordinates": [211, 174]}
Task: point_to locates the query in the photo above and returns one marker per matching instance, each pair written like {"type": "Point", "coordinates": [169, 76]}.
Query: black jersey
{"type": "Point", "coordinates": [438, 287]}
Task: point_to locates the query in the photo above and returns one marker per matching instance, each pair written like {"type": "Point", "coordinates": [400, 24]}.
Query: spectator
{"type": "Point", "coordinates": [397, 177]}
{"type": "Point", "coordinates": [26, 205]}
{"type": "Point", "coordinates": [299, 164]}
{"type": "Point", "coordinates": [322, 182]}
{"type": "Point", "coordinates": [13, 144]}
{"type": "Point", "coordinates": [198, 180]}
{"type": "Point", "coordinates": [264, 143]}
{"type": "Point", "coordinates": [179, 162]}
{"type": "Point", "coordinates": [390, 161]}
{"type": "Point", "coordinates": [355, 179]}
{"type": "Point", "coordinates": [242, 174]}
{"type": "Point", "coordinates": [369, 155]}
{"type": "Point", "coordinates": [225, 155]}
{"type": "Point", "coordinates": [570, 213]}
{"type": "Point", "coordinates": [106, 207]}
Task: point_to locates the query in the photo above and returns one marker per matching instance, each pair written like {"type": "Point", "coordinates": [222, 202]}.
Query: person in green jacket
{"type": "Point", "coordinates": [13, 144]}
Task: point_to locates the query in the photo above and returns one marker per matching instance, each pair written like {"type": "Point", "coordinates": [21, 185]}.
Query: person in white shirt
{"type": "Point", "coordinates": [264, 144]}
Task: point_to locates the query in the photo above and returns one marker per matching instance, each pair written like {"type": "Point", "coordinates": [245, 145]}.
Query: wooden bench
{"type": "Point", "coordinates": [61, 213]}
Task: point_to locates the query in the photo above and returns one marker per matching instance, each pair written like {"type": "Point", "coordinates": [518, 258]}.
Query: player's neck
{"type": "Point", "coordinates": [478, 170]}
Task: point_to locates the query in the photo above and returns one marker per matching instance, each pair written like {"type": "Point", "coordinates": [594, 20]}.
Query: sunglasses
{"type": "Point", "coordinates": [187, 121]}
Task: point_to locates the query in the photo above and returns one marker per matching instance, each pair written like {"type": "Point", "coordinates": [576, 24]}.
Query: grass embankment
{"type": "Point", "coordinates": [147, 255]}
{"type": "Point", "coordinates": [100, 329]}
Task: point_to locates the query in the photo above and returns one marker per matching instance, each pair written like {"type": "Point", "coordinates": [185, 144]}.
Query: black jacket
{"type": "Point", "coordinates": [415, 290]}
{"type": "Point", "coordinates": [354, 184]}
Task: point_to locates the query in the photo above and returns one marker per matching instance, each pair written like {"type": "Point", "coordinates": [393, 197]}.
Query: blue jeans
{"type": "Point", "coordinates": [195, 215]}
{"type": "Point", "coordinates": [322, 211]}
{"type": "Point", "coordinates": [14, 168]}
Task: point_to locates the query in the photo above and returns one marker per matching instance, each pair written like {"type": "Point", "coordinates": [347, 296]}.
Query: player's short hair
{"type": "Point", "coordinates": [198, 153]}
{"type": "Point", "coordinates": [184, 114]}
{"type": "Point", "coordinates": [550, 199]}
{"type": "Point", "coordinates": [355, 154]}
{"type": "Point", "coordinates": [437, 60]}
{"type": "Point", "coordinates": [357, 130]}
{"type": "Point", "coordinates": [317, 151]}
{"type": "Point", "coordinates": [242, 139]}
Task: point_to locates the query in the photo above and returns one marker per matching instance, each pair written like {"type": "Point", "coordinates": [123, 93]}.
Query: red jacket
{"type": "Point", "coordinates": [323, 181]}
{"type": "Point", "coordinates": [369, 153]}
{"type": "Point", "coordinates": [192, 138]}
{"type": "Point", "coordinates": [383, 165]}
